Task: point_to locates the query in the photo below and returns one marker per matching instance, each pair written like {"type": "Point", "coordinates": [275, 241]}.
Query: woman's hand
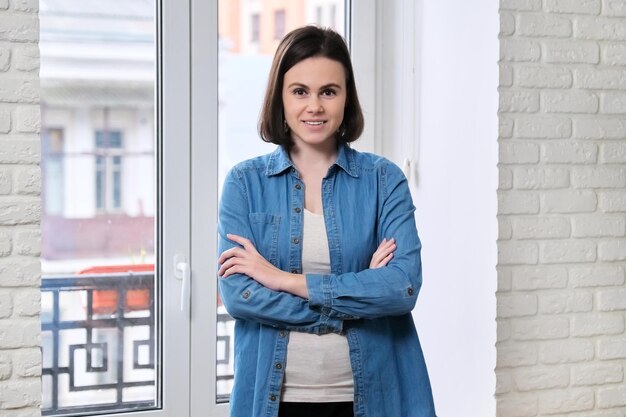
{"type": "Point", "coordinates": [383, 254]}
{"type": "Point", "coordinates": [248, 261]}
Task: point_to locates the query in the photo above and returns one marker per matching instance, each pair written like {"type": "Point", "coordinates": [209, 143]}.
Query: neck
{"type": "Point", "coordinates": [306, 157]}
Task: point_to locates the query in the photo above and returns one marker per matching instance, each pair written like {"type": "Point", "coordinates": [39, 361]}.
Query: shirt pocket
{"type": "Point", "coordinates": [265, 227]}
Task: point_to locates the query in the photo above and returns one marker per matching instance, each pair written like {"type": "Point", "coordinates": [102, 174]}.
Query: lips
{"type": "Point", "coordinates": [314, 122]}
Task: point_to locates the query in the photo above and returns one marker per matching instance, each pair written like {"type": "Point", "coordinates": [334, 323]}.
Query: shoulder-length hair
{"type": "Point", "coordinates": [296, 46]}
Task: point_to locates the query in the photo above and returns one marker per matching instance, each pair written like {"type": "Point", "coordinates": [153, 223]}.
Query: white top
{"type": "Point", "coordinates": [318, 366]}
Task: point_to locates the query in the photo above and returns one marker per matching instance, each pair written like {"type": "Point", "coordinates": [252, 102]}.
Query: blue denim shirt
{"type": "Point", "coordinates": [365, 199]}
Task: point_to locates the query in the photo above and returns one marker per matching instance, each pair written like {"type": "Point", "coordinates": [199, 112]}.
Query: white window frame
{"type": "Point", "coordinates": [175, 202]}
{"type": "Point", "coordinates": [173, 205]}
{"type": "Point", "coordinates": [204, 165]}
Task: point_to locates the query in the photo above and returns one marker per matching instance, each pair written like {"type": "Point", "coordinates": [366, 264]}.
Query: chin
{"type": "Point", "coordinates": [316, 140]}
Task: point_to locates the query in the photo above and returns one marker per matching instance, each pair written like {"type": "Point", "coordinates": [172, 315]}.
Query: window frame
{"type": "Point", "coordinates": [204, 164]}
{"type": "Point", "coordinates": [174, 226]}
{"type": "Point", "coordinates": [172, 223]}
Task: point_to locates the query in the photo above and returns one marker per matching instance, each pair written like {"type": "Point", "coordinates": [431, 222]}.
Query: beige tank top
{"type": "Point", "coordinates": [318, 366]}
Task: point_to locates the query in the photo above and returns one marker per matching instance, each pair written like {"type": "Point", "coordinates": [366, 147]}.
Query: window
{"type": "Point", "coordinates": [108, 170]}
{"type": "Point", "coordinates": [111, 151]}
{"type": "Point", "coordinates": [103, 322]}
{"type": "Point", "coordinates": [52, 169]}
{"type": "Point", "coordinates": [279, 24]}
{"type": "Point", "coordinates": [255, 21]}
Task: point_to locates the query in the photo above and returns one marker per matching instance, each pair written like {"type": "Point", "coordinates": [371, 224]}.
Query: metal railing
{"type": "Point", "coordinates": [99, 344]}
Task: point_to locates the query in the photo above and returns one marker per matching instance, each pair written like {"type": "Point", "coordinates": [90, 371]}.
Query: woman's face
{"type": "Point", "coordinates": [314, 98]}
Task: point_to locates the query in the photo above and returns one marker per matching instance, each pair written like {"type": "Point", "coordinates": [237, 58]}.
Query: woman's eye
{"type": "Point", "coordinates": [329, 92]}
{"type": "Point", "coordinates": [299, 92]}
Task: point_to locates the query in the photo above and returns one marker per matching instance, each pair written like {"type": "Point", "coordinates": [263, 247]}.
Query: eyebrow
{"type": "Point", "coordinates": [321, 88]}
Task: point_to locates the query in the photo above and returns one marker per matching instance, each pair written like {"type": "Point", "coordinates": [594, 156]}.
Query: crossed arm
{"type": "Point", "coordinates": [248, 261]}
{"type": "Point", "coordinates": [253, 289]}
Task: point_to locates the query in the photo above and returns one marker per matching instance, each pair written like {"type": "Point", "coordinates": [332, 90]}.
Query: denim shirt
{"type": "Point", "coordinates": [365, 199]}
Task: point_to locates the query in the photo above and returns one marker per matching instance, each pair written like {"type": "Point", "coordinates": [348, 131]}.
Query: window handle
{"type": "Point", "coordinates": [182, 271]}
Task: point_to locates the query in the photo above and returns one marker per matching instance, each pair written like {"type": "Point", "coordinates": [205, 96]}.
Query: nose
{"type": "Point", "coordinates": [315, 105]}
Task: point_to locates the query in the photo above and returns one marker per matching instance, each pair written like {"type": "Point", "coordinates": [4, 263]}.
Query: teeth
{"type": "Point", "coordinates": [314, 123]}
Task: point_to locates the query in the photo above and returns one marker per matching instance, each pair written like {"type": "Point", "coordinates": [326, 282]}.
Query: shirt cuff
{"type": "Point", "coordinates": [318, 286]}
{"type": "Point", "coordinates": [320, 299]}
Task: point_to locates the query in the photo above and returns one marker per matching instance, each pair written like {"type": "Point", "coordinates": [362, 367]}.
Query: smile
{"type": "Point", "coordinates": [315, 123]}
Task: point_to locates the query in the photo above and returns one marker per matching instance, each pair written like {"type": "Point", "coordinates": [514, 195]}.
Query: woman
{"type": "Point", "coordinates": [320, 258]}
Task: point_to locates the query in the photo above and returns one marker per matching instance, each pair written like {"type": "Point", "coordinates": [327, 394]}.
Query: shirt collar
{"type": "Point", "coordinates": [279, 161]}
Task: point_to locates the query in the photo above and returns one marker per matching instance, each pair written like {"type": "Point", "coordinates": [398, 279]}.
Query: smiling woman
{"type": "Point", "coordinates": [322, 290]}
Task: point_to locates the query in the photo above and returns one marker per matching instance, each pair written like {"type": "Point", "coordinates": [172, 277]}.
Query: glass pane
{"type": "Point", "coordinates": [249, 32]}
{"type": "Point", "coordinates": [98, 77]}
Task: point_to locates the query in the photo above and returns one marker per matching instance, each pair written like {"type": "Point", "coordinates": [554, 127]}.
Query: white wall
{"type": "Point", "coordinates": [562, 209]}
{"type": "Point", "coordinates": [455, 196]}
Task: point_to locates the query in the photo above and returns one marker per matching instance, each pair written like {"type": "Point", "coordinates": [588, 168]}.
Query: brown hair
{"type": "Point", "coordinates": [296, 46]}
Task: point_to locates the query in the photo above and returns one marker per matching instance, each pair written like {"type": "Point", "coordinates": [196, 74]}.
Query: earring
{"type": "Point", "coordinates": [341, 131]}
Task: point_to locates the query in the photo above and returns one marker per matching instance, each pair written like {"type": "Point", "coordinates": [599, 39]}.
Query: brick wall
{"type": "Point", "coordinates": [20, 184]}
{"type": "Point", "coordinates": [561, 348]}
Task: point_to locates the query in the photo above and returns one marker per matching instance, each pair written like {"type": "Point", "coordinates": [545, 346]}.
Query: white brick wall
{"type": "Point", "coordinates": [561, 301]}
{"type": "Point", "coordinates": [20, 185]}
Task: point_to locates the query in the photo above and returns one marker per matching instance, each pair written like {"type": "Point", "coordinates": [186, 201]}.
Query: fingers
{"type": "Point", "coordinates": [237, 251]}
{"type": "Point", "coordinates": [235, 269]}
{"type": "Point", "coordinates": [246, 243]}
{"type": "Point", "coordinates": [227, 265]}
{"type": "Point", "coordinates": [383, 254]}
{"type": "Point", "coordinates": [240, 260]}
{"type": "Point", "coordinates": [385, 247]}
{"type": "Point", "coordinates": [230, 253]}
{"type": "Point", "coordinates": [385, 261]}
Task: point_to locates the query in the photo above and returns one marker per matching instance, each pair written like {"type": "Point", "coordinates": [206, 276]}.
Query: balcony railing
{"type": "Point", "coordinates": [99, 344]}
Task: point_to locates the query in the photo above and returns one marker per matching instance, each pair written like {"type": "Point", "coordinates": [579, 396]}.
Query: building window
{"type": "Point", "coordinates": [279, 24]}
{"type": "Point", "coordinates": [108, 170]}
{"type": "Point", "coordinates": [52, 168]}
{"type": "Point", "coordinates": [255, 27]}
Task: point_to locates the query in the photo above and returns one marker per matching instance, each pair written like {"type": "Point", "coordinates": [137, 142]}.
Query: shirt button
{"type": "Point", "coordinates": [298, 186]}
{"type": "Point", "coordinates": [282, 333]}
{"type": "Point", "coordinates": [272, 398]}
{"type": "Point", "coordinates": [279, 366]}
{"type": "Point", "coordinates": [410, 291]}
{"type": "Point", "coordinates": [296, 240]}
{"type": "Point", "coordinates": [297, 209]}
{"type": "Point", "coordinates": [246, 294]}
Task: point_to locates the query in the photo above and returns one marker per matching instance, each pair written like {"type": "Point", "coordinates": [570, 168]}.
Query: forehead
{"type": "Point", "coordinates": [316, 71]}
